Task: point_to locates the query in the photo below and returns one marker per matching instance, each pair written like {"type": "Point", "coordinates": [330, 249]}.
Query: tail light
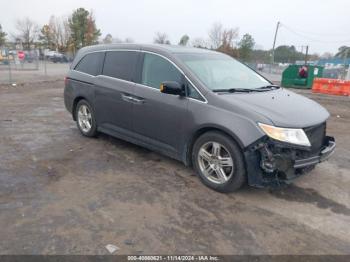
{"type": "Point", "coordinates": [65, 80]}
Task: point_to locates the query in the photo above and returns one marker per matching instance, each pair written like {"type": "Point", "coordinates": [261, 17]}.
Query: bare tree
{"type": "Point", "coordinates": [161, 38]}
{"type": "Point", "coordinates": [200, 43]}
{"type": "Point", "coordinates": [27, 31]}
{"type": "Point", "coordinates": [228, 37]}
{"type": "Point", "coordinates": [215, 35]}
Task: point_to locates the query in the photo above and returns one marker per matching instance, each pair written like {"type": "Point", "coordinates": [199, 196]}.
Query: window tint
{"type": "Point", "coordinates": [120, 64]}
{"type": "Point", "coordinates": [91, 64]}
{"type": "Point", "coordinates": [157, 70]}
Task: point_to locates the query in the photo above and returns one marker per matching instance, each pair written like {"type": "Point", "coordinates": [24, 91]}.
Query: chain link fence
{"type": "Point", "coordinates": [21, 66]}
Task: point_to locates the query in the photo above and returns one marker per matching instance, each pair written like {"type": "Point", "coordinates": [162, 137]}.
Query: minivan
{"type": "Point", "coordinates": [202, 107]}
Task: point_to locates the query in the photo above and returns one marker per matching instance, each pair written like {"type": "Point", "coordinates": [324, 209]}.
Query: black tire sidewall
{"type": "Point", "coordinates": [239, 176]}
{"type": "Point", "coordinates": [93, 130]}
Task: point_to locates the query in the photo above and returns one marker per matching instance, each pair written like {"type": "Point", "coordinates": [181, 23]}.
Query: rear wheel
{"type": "Point", "coordinates": [219, 162]}
{"type": "Point", "coordinates": [85, 117]}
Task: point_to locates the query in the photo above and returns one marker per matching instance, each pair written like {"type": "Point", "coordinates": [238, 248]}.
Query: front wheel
{"type": "Point", "coordinates": [85, 117]}
{"type": "Point", "coordinates": [219, 162]}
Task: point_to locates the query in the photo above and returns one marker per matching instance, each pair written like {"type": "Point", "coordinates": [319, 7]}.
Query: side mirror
{"type": "Point", "coordinates": [172, 87]}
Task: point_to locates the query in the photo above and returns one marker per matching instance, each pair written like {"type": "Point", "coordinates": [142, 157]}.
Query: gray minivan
{"type": "Point", "coordinates": [201, 107]}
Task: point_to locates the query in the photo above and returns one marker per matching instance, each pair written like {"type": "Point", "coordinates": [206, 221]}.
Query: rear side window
{"type": "Point", "coordinates": [157, 70]}
{"type": "Point", "coordinates": [120, 64]}
{"type": "Point", "coordinates": [91, 64]}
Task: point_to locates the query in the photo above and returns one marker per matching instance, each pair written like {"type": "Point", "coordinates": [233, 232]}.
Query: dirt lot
{"type": "Point", "coordinates": [61, 193]}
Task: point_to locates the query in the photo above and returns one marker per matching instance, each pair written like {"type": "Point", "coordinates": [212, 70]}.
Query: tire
{"type": "Point", "coordinates": [89, 130]}
{"type": "Point", "coordinates": [218, 162]}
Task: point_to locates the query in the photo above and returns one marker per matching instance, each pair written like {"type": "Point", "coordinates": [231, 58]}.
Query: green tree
{"type": "Point", "coordinates": [83, 28]}
{"type": "Point", "coordinates": [2, 36]}
{"type": "Point", "coordinates": [184, 40]}
{"type": "Point", "coordinates": [246, 46]}
{"type": "Point", "coordinates": [287, 54]}
{"type": "Point", "coordinates": [343, 52]}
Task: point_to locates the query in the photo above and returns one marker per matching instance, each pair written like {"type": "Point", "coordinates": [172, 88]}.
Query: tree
{"type": "Point", "coordinates": [184, 40]}
{"type": "Point", "coordinates": [200, 43]}
{"type": "Point", "coordinates": [161, 38]}
{"type": "Point", "coordinates": [108, 39]}
{"type": "Point", "coordinates": [246, 46]}
{"type": "Point", "coordinates": [228, 37]}
{"type": "Point", "coordinates": [343, 52]}
{"type": "Point", "coordinates": [327, 55]}
{"type": "Point", "coordinates": [261, 56]}
{"type": "Point", "coordinates": [2, 36]}
{"type": "Point", "coordinates": [215, 35]}
{"type": "Point", "coordinates": [288, 54]}
{"type": "Point", "coordinates": [46, 37]}
{"type": "Point", "coordinates": [83, 31]}
{"type": "Point", "coordinates": [28, 32]}
{"type": "Point", "coordinates": [227, 45]}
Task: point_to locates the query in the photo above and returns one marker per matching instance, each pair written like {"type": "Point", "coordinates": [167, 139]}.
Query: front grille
{"type": "Point", "coordinates": [316, 135]}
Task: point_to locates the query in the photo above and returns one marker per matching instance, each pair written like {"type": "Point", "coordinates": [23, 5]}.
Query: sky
{"type": "Point", "coordinates": [323, 25]}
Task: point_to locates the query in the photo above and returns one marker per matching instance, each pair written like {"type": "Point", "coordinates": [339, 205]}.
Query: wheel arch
{"type": "Point", "coordinates": [201, 131]}
{"type": "Point", "coordinates": [75, 103]}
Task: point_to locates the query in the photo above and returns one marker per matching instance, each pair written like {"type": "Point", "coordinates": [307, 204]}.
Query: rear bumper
{"type": "Point", "coordinates": [271, 164]}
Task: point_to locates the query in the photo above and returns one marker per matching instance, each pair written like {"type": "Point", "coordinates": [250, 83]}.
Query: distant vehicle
{"type": "Point", "coordinates": [56, 57]}
{"type": "Point", "coordinates": [201, 107]}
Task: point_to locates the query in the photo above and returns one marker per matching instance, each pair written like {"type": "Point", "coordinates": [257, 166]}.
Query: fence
{"type": "Point", "coordinates": [30, 66]}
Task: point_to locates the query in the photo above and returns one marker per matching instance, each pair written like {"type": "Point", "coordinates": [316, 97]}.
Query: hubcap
{"type": "Point", "coordinates": [215, 162]}
{"type": "Point", "coordinates": [84, 118]}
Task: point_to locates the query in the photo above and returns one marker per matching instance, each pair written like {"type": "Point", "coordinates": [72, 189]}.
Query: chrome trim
{"type": "Point", "coordinates": [144, 51]}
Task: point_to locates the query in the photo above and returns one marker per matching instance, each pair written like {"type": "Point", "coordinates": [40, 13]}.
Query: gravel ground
{"type": "Point", "coordinates": [61, 193]}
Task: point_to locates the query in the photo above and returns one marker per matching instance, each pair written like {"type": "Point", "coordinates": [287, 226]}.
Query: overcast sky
{"type": "Point", "coordinates": [323, 25]}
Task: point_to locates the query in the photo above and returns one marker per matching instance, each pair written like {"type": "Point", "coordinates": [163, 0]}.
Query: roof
{"type": "Point", "coordinates": [174, 49]}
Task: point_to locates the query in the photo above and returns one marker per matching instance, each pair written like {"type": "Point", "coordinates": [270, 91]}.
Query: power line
{"type": "Point", "coordinates": [311, 38]}
{"type": "Point", "coordinates": [317, 34]}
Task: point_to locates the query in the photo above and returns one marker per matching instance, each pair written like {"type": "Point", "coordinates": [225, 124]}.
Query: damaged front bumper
{"type": "Point", "coordinates": [272, 163]}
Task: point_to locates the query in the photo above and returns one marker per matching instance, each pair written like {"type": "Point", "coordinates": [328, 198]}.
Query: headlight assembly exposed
{"type": "Point", "coordinates": [289, 135]}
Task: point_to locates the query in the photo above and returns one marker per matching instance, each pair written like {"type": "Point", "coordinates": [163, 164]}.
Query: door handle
{"type": "Point", "coordinates": [129, 98]}
{"type": "Point", "coordinates": [137, 100]}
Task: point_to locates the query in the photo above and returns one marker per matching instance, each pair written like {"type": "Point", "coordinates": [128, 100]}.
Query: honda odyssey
{"type": "Point", "coordinates": [201, 107]}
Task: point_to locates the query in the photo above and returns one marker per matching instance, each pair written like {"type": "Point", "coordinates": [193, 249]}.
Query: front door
{"type": "Point", "coordinates": [159, 117]}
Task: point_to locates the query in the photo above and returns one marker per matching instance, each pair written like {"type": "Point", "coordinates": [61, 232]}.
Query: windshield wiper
{"type": "Point", "coordinates": [235, 90]}
{"type": "Point", "coordinates": [268, 87]}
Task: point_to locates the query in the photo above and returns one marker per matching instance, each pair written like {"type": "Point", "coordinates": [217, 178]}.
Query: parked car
{"type": "Point", "coordinates": [201, 107]}
{"type": "Point", "coordinates": [56, 57]}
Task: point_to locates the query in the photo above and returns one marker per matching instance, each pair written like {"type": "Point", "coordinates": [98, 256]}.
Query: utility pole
{"type": "Point", "coordinates": [306, 54]}
{"type": "Point", "coordinates": [344, 64]}
{"type": "Point", "coordinates": [274, 42]}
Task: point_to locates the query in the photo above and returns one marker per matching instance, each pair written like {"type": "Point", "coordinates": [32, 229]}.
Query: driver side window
{"type": "Point", "coordinates": [156, 70]}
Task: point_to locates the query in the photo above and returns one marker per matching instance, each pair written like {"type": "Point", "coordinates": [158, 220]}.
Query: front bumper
{"type": "Point", "coordinates": [270, 163]}
{"type": "Point", "coordinates": [325, 153]}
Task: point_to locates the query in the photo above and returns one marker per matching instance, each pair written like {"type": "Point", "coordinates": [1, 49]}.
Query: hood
{"type": "Point", "coordinates": [282, 107]}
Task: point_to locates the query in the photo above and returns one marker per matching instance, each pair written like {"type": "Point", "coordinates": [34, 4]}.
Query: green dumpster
{"type": "Point", "coordinates": [300, 76]}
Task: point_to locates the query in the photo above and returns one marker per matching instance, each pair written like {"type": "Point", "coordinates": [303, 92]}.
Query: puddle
{"type": "Point", "coordinates": [311, 196]}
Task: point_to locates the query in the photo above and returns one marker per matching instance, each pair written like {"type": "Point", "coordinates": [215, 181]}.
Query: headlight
{"type": "Point", "coordinates": [289, 135]}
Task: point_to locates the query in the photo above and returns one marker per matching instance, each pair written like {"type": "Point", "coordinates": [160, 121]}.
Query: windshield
{"type": "Point", "coordinates": [220, 72]}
